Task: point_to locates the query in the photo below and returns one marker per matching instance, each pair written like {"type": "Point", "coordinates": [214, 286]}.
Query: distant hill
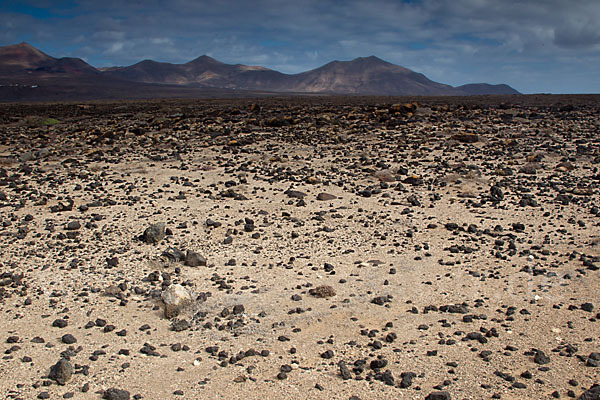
{"type": "Point", "coordinates": [28, 74]}
{"type": "Point", "coordinates": [364, 75]}
{"type": "Point", "coordinates": [203, 70]}
{"type": "Point", "coordinates": [368, 75]}
{"type": "Point", "coordinates": [23, 67]}
{"type": "Point", "coordinates": [21, 59]}
{"type": "Point", "coordinates": [486, 88]}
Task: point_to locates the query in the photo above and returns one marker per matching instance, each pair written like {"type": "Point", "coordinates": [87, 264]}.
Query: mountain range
{"type": "Point", "coordinates": [28, 74]}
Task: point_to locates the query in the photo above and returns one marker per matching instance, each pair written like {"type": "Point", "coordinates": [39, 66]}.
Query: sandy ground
{"type": "Point", "coordinates": [413, 227]}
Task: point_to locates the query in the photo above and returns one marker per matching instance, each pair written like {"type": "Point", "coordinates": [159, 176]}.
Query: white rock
{"type": "Point", "coordinates": [174, 294]}
{"type": "Point", "coordinates": [175, 298]}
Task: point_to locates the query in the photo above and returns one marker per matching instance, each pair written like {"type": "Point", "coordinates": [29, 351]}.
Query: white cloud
{"type": "Point", "coordinates": [161, 41]}
{"type": "Point", "coordinates": [451, 41]}
{"type": "Point", "coordinates": [115, 48]}
{"type": "Point", "coordinates": [109, 35]}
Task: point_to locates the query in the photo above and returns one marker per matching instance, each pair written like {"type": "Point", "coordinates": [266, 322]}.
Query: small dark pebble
{"type": "Point", "coordinates": [116, 394]}
{"type": "Point", "coordinates": [59, 323]}
{"type": "Point", "coordinates": [68, 339]}
{"type": "Point", "coordinates": [327, 354]}
{"type": "Point", "coordinates": [438, 396]}
{"type": "Point", "coordinates": [541, 358]}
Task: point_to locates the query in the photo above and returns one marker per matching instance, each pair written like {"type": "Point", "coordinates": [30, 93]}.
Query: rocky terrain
{"type": "Point", "coordinates": [309, 248]}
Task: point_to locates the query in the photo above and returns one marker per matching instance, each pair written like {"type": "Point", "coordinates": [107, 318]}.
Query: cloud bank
{"type": "Point", "coordinates": [535, 46]}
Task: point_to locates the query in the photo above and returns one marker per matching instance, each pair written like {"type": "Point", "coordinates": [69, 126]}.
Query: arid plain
{"type": "Point", "coordinates": [308, 248]}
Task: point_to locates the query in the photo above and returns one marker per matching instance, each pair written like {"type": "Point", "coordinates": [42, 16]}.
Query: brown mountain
{"type": "Point", "coordinates": [27, 74]}
{"type": "Point", "coordinates": [204, 70]}
{"type": "Point", "coordinates": [363, 75]}
{"type": "Point", "coordinates": [368, 75]}
{"type": "Point", "coordinates": [22, 56]}
{"type": "Point", "coordinates": [24, 68]}
{"type": "Point", "coordinates": [19, 60]}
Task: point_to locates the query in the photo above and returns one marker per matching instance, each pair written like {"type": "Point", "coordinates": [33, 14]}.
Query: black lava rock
{"type": "Point", "coordinates": [61, 372]}
{"type": "Point", "coordinates": [438, 396]}
{"type": "Point", "coordinates": [154, 233]}
{"type": "Point", "coordinates": [541, 358]}
{"type": "Point", "coordinates": [116, 394]}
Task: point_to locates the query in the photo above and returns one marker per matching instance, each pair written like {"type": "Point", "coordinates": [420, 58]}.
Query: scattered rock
{"type": "Point", "coordinates": [541, 358]}
{"type": "Point", "coordinates": [469, 200]}
{"type": "Point", "coordinates": [295, 194]}
{"type": "Point", "coordinates": [61, 372]}
{"type": "Point", "coordinates": [68, 339]}
{"type": "Point", "coordinates": [116, 394]}
{"type": "Point", "coordinates": [322, 291]}
{"type": "Point", "coordinates": [438, 396]}
{"type": "Point", "coordinates": [593, 393]}
{"type": "Point", "coordinates": [175, 298]}
{"type": "Point", "coordinates": [325, 197]}
{"type": "Point", "coordinates": [154, 233]}
{"type": "Point", "coordinates": [465, 137]}
{"type": "Point", "coordinates": [193, 259]}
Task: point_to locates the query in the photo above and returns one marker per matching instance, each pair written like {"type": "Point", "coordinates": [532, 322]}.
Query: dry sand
{"type": "Point", "coordinates": [461, 244]}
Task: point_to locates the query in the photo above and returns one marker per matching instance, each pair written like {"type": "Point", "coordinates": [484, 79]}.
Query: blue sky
{"type": "Point", "coordinates": [536, 46]}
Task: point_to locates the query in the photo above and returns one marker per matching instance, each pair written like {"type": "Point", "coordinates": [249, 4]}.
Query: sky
{"type": "Point", "coordinates": [535, 46]}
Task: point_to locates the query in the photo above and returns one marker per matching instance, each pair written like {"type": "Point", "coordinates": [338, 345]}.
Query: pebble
{"type": "Point", "coordinates": [326, 197]}
{"type": "Point", "coordinates": [344, 371]}
{"type": "Point", "coordinates": [60, 323]}
{"type": "Point", "coordinates": [541, 358]}
{"type": "Point", "coordinates": [154, 233]}
{"type": "Point", "coordinates": [323, 291]}
{"type": "Point", "coordinates": [68, 339]}
{"type": "Point", "coordinates": [116, 394]}
{"type": "Point", "coordinates": [193, 259]}
{"type": "Point", "coordinates": [438, 396]}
